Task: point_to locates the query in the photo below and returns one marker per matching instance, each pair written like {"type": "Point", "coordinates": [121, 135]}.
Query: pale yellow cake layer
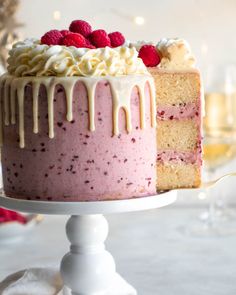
{"type": "Point", "coordinates": [179, 135]}
{"type": "Point", "coordinates": [170, 176]}
{"type": "Point", "coordinates": [176, 87]}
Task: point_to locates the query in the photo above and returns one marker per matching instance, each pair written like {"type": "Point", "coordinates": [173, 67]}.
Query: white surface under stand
{"type": "Point", "coordinates": [88, 269]}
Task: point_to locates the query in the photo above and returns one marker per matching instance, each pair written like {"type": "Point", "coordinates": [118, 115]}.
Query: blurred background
{"type": "Point", "coordinates": [170, 235]}
{"type": "Point", "coordinates": [209, 26]}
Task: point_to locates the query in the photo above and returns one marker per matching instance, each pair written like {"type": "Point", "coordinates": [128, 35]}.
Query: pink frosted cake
{"type": "Point", "coordinates": [80, 116]}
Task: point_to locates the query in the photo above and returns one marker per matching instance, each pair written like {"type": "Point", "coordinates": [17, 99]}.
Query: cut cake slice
{"type": "Point", "coordinates": [178, 98]}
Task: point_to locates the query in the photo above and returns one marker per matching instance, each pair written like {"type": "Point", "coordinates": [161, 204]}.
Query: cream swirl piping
{"type": "Point", "coordinates": [30, 58]}
{"type": "Point", "coordinates": [175, 54]}
{"type": "Point", "coordinates": [138, 44]}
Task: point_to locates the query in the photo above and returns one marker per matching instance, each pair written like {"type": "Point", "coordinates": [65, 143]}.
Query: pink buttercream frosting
{"type": "Point", "coordinates": [175, 157]}
{"type": "Point", "coordinates": [78, 164]}
{"type": "Point", "coordinates": [178, 111]}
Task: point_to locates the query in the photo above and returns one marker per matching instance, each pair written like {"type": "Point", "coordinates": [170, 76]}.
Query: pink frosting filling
{"type": "Point", "coordinates": [179, 111]}
{"type": "Point", "coordinates": [180, 157]}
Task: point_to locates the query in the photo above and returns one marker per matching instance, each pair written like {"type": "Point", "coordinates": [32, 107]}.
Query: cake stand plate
{"type": "Point", "coordinates": [88, 268]}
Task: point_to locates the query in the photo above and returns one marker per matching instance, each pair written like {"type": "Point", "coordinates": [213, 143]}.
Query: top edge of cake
{"type": "Point", "coordinates": [31, 58]}
{"type": "Point", "coordinates": [82, 51]}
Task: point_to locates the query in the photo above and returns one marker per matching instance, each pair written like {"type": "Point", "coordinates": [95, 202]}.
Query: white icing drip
{"type": "Point", "coordinates": [50, 93]}
{"type": "Point", "coordinates": [36, 87]}
{"type": "Point", "coordinates": [91, 87]}
{"type": "Point", "coordinates": [121, 88]}
{"type": "Point", "coordinates": [6, 102]}
{"type": "Point", "coordinates": [13, 102]}
{"type": "Point", "coordinates": [20, 95]}
{"type": "Point", "coordinates": [121, 91]}
{"type": "Point", "coordinates": [69, 99]}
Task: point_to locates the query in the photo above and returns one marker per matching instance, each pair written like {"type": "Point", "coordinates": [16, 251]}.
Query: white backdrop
{"type": "Point", "coordinates": [210, 23]}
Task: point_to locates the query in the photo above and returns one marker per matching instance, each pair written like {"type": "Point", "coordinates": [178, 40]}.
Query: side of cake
{"type": "Point", "coordinates": [178, 130]}
{"type": "Point", "coordinates": [78, 123]}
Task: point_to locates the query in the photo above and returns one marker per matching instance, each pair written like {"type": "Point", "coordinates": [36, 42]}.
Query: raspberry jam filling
{"type": "Point", "coordinates": [179, 111]}
{"type": "Point", "coordinates": [179, 157]}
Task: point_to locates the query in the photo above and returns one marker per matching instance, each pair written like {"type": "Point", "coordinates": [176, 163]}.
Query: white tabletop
{"type": "Point", "coordinates": [180, 265]}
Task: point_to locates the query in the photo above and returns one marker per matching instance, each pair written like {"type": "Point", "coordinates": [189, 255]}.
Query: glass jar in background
{"type": "Point", "coordinates": [219, 147]}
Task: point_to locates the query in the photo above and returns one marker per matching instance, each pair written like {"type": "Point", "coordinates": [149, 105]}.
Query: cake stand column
{"type": "Point", "coordinates": [88, 269]}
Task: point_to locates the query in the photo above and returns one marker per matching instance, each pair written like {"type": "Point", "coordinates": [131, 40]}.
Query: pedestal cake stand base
{"type": "Point", "coordinates": [88, 268]}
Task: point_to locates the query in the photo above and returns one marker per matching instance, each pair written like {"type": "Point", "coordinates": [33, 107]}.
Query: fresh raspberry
{"type": "Point", "coordinates": [65, 32]}
{"type": "Point", "coordinates": [8, 215]}
{"type": "Point", "coordinates": [74, 39]}
{"type": "Point", "coordinates": [51, 38]}
{"type": "Point", "coordinates": [5, 215]}
{"type": "Point", "coordinates": [149, 55]}
{"type": "Point", "coordinates": [81, 27]}
{"type": "Point", "coordinates": [89, 45]}
{"type": "Point", "coordinates": [99, 38]}
{"type": "Point", "coordinates": [117, 39]}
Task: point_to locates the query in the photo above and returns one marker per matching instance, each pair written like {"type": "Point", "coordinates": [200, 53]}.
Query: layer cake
{"type": "Point", "coordinates": [178, 129]}
{"type": "Point", "coordinates": [99, 120]}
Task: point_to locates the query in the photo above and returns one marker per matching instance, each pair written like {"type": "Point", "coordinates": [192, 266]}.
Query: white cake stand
{"type": "Point", "coordinates": [88, 269]}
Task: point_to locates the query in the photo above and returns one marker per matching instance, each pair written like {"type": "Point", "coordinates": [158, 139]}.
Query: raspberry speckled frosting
{"type": "Point", "coordinates": [30, 58]}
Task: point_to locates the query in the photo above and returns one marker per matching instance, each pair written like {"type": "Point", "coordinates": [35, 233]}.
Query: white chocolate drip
{"type": "Point", "coordinates": [13, 103]}
{"type": "Point", "coordinates": [121, 99]}
{"type": "Point", "coordinates": [91, 87]}
{"type": "Point", "coordinates": [50, 95]}
{"type": "Point", "coordinates": [6, 101]}
{"type": "Point", "coordinates": [121, 88]}
{"type": "Point", "coordinates": [35, 106]}
{"type": "Point", "coordinates": [69, 99]}
{"type": "Point", "coordinates": [20, 93]}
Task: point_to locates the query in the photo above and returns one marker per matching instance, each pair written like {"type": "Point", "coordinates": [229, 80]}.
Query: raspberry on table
{"type": "Point", "coordinates": [74, 39]}
{"type": "Point", "coordinates": [149, 55]}
{"type": "Point", "coordinates": [81, 27]}
{"type": "Point", "coordinates": [99, 38]}
{"type": "Point", "coordinates": [8, 215]}
{"type": "Point", "coordinates": [117, 39]}
{"type": "Point", "coordinates": [51, 37]}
